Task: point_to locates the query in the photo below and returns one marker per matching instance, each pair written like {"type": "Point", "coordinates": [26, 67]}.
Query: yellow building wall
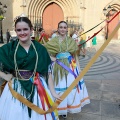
{"type": "Point", "coordinates": [89, 12]}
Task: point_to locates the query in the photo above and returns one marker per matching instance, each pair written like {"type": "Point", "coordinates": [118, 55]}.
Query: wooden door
{"type": "Point", "coordinates": [51, 16]}
{"type": "Point", "coordinates": [112, 25]}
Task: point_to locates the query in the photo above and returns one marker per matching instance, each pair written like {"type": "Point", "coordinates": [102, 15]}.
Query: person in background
{"type": "Point", "coordinates": [65, 68]}
{"type": "Point", "coordinates": [8, 36]}
{"type": "Point", "coordinates": [25, 65]}
{"type": "Point", "coordinates": [82, 42]}
{"type": "Point", "coordinates": [88, 44]}
{"type": "Point", "coordinates": [43, 36]}
{"type": "Point", "coordinates": [75, 36]}
{"type": "Point", "coordinates": [54, 34]}
{"type": "Point", "coordinates": [94, 43]}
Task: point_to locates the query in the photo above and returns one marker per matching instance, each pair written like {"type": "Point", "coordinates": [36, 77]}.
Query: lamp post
{"type": "Point", "coordinates": [3, 9]}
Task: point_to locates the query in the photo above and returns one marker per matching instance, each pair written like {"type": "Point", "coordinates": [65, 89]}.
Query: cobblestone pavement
{"type": "Point", "coordinates": [106, 66]}
{"type": "Point", "coordinates": [106, 63]}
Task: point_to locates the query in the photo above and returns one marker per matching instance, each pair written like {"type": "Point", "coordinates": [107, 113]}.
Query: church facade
{"type": "Point", "coordinates": [78, 13]}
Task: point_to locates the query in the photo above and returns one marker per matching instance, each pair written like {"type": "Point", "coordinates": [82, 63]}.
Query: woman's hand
{"type": "Point", "coordinates": [8, 77]}
{"type": "Point", "coordinates": [55, 95]}
{"type": "Point", "coordinates": [5, 76]}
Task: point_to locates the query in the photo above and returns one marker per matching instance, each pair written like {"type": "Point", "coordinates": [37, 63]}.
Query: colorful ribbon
{"type": "Point", "coordinates": [44, 96]}
{"type": "Point", "coordinates": [73, 65]}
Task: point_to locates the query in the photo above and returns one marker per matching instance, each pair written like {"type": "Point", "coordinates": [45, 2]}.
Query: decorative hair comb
{"type": "Point", "coordinates": [22, 15]}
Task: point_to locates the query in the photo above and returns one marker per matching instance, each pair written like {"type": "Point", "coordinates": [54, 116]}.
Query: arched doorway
{"type": "Point", "coordinates": [52, 14]}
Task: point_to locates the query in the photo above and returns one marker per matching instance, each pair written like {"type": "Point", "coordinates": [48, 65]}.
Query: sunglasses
{"type": "Point", "coordinates": [24, 29]}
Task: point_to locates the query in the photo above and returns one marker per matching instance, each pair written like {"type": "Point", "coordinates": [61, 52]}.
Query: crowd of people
{"type": "Point", "coordinates": [37, 73]}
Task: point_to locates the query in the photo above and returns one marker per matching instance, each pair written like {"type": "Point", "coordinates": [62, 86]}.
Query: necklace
{"type": "Point", "coordinates": [60, 41]}
{"type": "Point", "coordinates": [16, 67]}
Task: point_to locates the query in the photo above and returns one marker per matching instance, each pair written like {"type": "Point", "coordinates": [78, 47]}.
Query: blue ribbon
{"type": "Point", "coordinates": [63, 55]}
{"type": "Point", "coordinates": [66, 68]}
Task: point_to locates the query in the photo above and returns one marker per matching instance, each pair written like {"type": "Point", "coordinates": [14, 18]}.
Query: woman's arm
{"type": "Point", "coordinates": [5, 76]}
{"type": "Point", "coordinates": [51, 87]}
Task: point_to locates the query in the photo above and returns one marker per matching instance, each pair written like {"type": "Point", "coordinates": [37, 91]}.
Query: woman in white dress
{"type": "Point", "coordinates": [25, 65]}
{"type": "Point", "coordinates": [65, 69]}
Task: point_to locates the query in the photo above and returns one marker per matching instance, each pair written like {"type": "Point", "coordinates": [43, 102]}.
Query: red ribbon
{"type": "Point", "coordinates": [113, 17]}
{"type": "Point", "coordinates": [43, 35]}
{"type": "Point", "coordinates": [41, 92]}
{"type": "Point", "coordinates": [91, 37]}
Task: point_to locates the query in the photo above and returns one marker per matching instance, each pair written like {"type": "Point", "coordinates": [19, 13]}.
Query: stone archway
{"type": "Point", "coordinates": [52, 14]}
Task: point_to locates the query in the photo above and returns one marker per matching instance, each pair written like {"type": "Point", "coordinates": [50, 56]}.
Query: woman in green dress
{"type": "Point", "coordinates": [25, 64]}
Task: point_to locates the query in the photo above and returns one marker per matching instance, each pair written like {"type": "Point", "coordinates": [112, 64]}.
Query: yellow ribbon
{"type": "Point", "coordinates": [65, 94]}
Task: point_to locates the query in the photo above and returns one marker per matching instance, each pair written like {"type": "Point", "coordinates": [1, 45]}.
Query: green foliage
{"type": "Point", "coordinates": [1, 17]}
